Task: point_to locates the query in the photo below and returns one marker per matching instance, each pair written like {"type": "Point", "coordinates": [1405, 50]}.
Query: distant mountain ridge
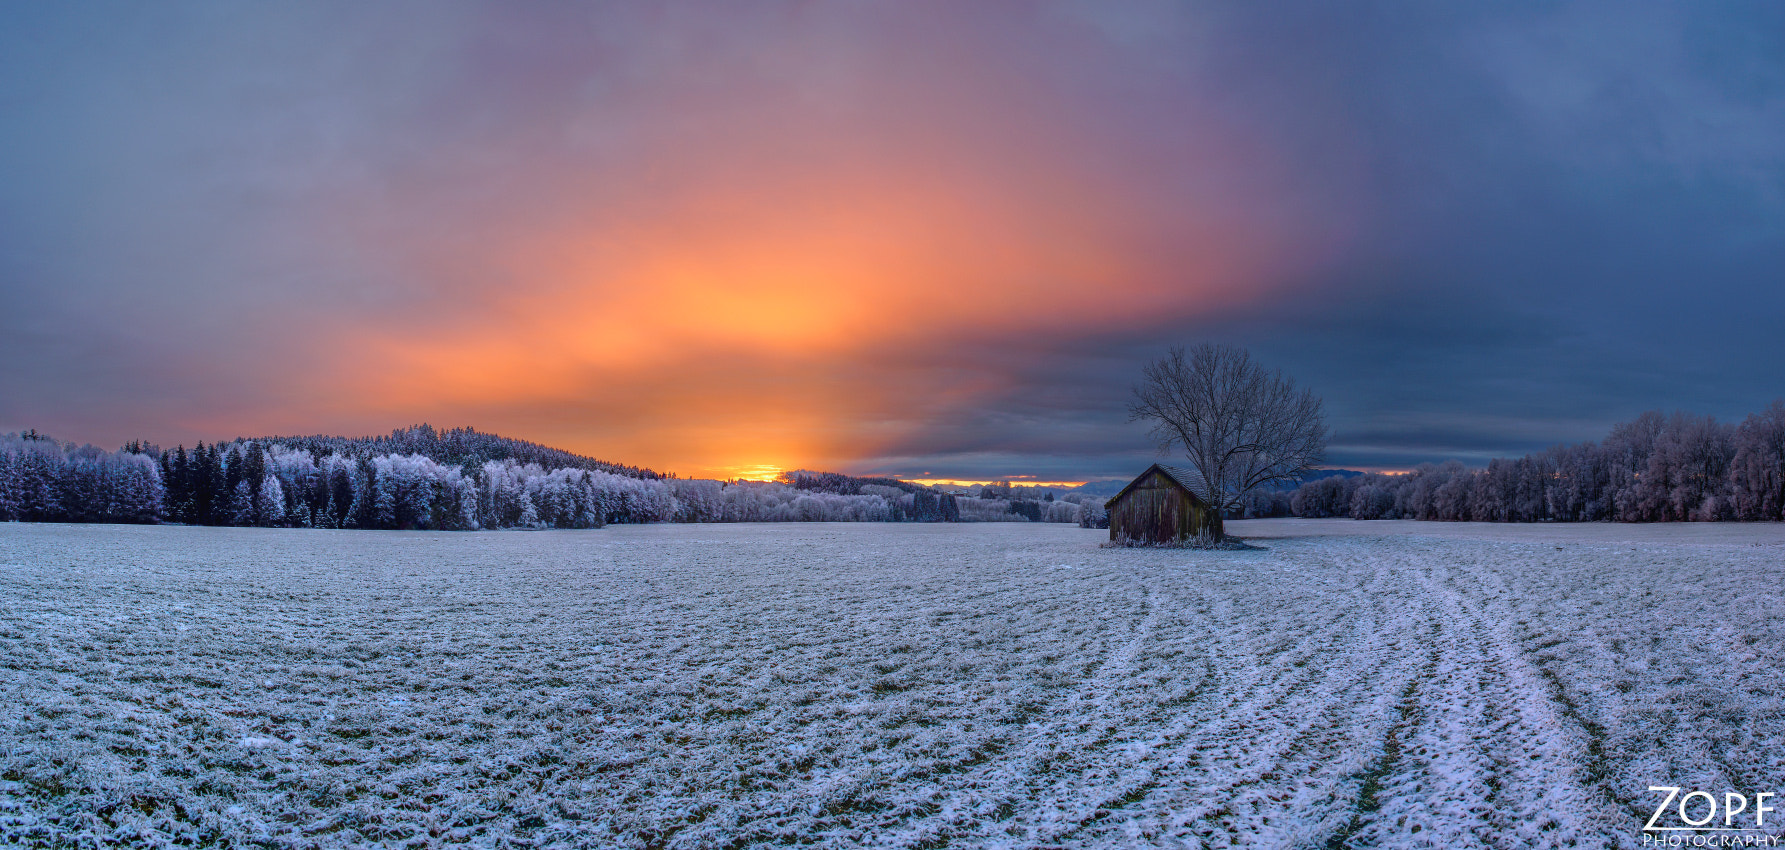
{"type": "Point", "coordinates": [1319, 474]}
{"type": "Point", "coordinates": [1110, 488]}
{"type": "Point", "coordinates": [1100, 488]}
{"type": "Point", "coordinates": [467, 447]}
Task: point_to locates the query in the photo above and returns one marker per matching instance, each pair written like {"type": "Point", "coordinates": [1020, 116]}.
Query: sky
{"type": "Point", "coordinates": [930, 240]}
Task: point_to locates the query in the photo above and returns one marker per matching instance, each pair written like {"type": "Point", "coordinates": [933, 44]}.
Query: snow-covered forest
{"type": "Point", "coordinates": [465, 447]}
{"type": "Point", "coordinates": [1657, 468]}
{"type": "Point", "coordinates": [44, 480]}
{"type": "Point", "coordinates": [456, 480]}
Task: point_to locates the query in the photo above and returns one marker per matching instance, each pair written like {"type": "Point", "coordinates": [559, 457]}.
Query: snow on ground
{"type": "Point", "coordinates": [1353, 684]}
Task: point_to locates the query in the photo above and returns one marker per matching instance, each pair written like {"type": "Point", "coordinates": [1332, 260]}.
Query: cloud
{"type": "Point", "coordinates": [879, 238]}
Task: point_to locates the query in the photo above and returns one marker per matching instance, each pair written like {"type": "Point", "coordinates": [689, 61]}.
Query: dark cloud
{"type": "Point", "coordinates": [1474, 230]}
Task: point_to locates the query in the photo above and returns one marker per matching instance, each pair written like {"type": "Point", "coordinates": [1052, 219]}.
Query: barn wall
{"type": "Point", "coordinates": [1157, 510]}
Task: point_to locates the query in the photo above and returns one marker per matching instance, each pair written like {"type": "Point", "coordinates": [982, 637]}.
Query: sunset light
{"type": "Point", "coordinates": [951, 482]}
{"type": "Point", "coordinates": [760, 472]}
{"type": "Point", "coordinates": [891, 424]}
{"type": "Point", "coordinates": [924, 241]}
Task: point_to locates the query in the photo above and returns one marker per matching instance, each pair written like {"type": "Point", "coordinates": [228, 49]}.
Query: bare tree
{"type": "Point", "coordinates": [1242, 427]}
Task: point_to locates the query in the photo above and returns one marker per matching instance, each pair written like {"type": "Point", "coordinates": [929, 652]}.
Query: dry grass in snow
{"type": "Point", "coordinates": [1353, 684]}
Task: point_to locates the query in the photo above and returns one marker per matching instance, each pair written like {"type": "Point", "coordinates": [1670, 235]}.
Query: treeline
{"type": "Point", "coordinates": [274, 484]}
{"type": "Point", "coordinates": [43, 480]}
{"type": "Point", "coordinates": [255, 484]}
{"type": "Point", "coordinates": [462, 447]}
{"type": "Point", "coordinates": [1658, 468]}
{"type": "Point", "coordinates": [997, 502]}
{"type": "Point", "coordinates": [831, 497]}
{"type": "Point", "coordinates": [840, 484]}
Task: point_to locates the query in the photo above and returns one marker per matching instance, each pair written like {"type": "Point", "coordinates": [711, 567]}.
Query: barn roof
{"type": "Point", "coordinates": [1189, 479]}
{"type": "Point", "coordinates": [1183, 476]}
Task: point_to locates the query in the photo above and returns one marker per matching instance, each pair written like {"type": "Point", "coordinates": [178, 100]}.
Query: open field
{"type": "Point", "coordinates": [1354, 684]}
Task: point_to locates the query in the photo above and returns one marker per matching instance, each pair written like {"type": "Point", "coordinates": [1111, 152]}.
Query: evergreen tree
{"type": "Point", "coordinates": [209, 486]}
{"type": "Point", "coordinates": [271, 502]}
{"type": "Point", "coordinates": [925, 507]}
{"type": "Point", "coordinates": [340, 489]}
{"type": "Point", "coordinates": [180, 485]}
{"type": "Point", "coordinates": [254, 474]}
{"type": "Point", "coordinates": [364, 510]}
{"type": "Point", "coordinates": [166, 465]}
{"type": "Point", "coordinates": [229, 509]}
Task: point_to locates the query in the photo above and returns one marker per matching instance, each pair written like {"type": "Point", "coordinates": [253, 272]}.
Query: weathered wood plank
{"type": "Point", "coordinates": [1156, 509]}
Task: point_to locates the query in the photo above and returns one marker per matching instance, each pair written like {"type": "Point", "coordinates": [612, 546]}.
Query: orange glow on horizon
{"type": "Point", "coordinates": [810, 282]}
{"type": "Point", "coordinates": [952, 482]}
{"type": "Point", "coordinates": [758, 472]}
{"type": "Point", "coordinates": [687, 347]}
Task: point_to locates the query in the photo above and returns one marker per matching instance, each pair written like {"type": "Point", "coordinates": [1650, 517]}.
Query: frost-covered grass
{"type": "Point", "coordinates": [1361, 684]}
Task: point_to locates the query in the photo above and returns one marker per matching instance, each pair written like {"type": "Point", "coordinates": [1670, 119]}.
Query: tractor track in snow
{"type": "Point", "coordinates": [891, 686]}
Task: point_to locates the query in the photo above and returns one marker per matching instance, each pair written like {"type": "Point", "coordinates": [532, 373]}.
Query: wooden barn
{"type": "Point", "coordinates": [1166, 504]}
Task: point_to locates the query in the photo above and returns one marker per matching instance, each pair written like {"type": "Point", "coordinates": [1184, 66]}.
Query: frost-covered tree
{"type": "Point", "coordinates": [271, 501]}
{"type": "Point", "coordinates": [1242, 427]}
{"type": "Point", "coordinates": [529, 515]}
{"type": "Point", "coordinates": [1655, 468]}
{"type": "Point", "coordinates": [1093, 514]}
{"type": "Point", "coordinates": [1757, 472]}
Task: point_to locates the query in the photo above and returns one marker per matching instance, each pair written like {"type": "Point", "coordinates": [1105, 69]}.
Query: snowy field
{"type": "Point", "coordinates": [1354, 684]}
